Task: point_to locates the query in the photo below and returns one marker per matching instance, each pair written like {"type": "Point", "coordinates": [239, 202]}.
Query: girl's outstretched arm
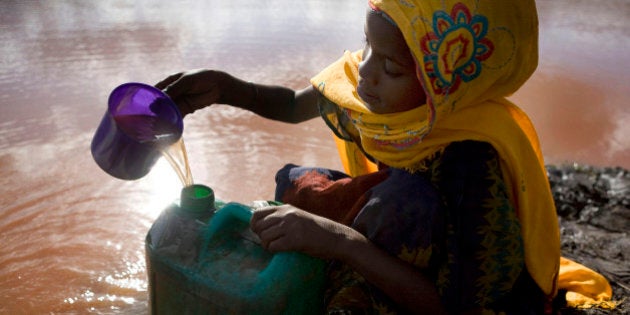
{"type": "Point", "coordinates": [197, 89]}
{"type": "Point", "coordinates": [286, 228]}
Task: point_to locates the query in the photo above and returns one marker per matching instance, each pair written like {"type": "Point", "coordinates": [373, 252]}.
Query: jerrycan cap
{"type": "Point", "coordinates": [197, 198]}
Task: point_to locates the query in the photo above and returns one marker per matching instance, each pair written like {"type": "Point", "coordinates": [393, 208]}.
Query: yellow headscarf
{"type": "Point", "coordinates": [470, 55]}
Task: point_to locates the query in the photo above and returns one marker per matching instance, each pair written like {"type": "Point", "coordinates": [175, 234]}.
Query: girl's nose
{"type": "Point", "coordinates": [366, 68]}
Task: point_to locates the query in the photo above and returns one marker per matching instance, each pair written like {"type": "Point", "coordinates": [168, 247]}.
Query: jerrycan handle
{"type": "Point", "coordinates": [227, 213]}
{"type": "Point", "coordinates": [224, 218]}
{"type": "Point", "coordinates": [221, 220]}
{"type": "Point", "coordinates": [293, 279]}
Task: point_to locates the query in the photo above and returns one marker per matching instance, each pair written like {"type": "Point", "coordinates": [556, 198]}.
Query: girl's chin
{"type": "Point", "coordinates": [368, 100]}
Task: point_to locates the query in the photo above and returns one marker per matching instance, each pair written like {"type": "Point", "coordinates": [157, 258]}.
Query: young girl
{"type": "Point", "coordinates": [446, 207]}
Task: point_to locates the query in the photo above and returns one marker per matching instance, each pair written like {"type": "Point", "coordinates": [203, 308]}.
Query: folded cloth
{"type": "Point", "coordinates": [324, 192]}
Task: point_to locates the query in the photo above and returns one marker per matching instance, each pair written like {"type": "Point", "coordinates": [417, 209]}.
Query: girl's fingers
{"type": "Point", "coordinates": [179, 86]}
{"type": "Point", "coordinates": [170, 79]}
{"type": "Point", "coordinates": [259, 220]}
{"type": "Point", "coordinates": [191, 102]}
{"type": "Point", "coordinates": [271, 235]}
{"type": "Point", "coordinates": [185, 83]}
{"type": "Point", "coordinates": [285, 228]}
{"type": "Point", "coordinates": [264, 211]}
{"type": "Point", "coordinates": [277, 245]}
{"type": "Point", "coordinates": [269, 225]}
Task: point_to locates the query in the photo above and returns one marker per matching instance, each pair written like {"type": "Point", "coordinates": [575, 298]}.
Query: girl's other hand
{"type": "Point", "coordinates": [193, 90]}
{"type": "Point", "coordinates": [286, 228]}
{"type": "Point", "coordinates": [197, 89]}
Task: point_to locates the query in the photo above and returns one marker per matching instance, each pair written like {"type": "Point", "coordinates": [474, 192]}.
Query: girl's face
{"type": "Point", "coordinates": [387, 75]}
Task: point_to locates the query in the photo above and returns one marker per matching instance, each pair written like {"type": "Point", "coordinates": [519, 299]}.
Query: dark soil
{"type": "Point", "coordinates": [593, 206]}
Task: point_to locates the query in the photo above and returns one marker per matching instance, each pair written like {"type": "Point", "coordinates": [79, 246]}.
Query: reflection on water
{"type": "Point", "coordinates": [73, 237]}
{"type": "Point", "coordinates": [578, 96]}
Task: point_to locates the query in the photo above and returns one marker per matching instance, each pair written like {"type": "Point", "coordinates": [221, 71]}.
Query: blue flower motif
{"type": "Point", "coordinates": [453, 52]}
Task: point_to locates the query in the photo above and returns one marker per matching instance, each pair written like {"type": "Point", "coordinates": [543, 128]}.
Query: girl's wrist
{"type": "Point", "coordinates": [254, 94]}
{"type": "Point", "coordinates": [235, 91]}
{"type": "Point", "coordinates": [350, 245]}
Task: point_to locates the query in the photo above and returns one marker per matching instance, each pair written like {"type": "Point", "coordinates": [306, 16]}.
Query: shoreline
{"type": "Point", "coordinates": [593, 206]}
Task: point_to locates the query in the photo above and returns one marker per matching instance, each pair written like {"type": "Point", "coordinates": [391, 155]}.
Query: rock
{"type": "Point", "coordinates": [593, 206]}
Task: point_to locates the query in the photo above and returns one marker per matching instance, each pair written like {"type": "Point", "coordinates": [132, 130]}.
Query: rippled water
{"type": "Point", "coordinates": [72, 238]}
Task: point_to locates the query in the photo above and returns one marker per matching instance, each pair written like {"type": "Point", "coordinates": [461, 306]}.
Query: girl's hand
{"type": "Point", "coordinates": [286, 228]}
{"type": "Point", "coordinates": [197, 89]}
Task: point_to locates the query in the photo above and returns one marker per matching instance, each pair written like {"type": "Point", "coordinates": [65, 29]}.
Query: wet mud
{"type": "Point", "coordinates": [593, 205]}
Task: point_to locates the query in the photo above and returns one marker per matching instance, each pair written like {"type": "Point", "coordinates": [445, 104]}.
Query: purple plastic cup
{"type": "Point", "coordinates": [139, 122]}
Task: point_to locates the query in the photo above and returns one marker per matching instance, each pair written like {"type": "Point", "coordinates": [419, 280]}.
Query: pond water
{"type": "Point", "coordinates": [73, 237]}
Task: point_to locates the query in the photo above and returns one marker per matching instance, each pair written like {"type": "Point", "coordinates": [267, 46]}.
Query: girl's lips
{"type": "Point", "coordinates": [366, 96]}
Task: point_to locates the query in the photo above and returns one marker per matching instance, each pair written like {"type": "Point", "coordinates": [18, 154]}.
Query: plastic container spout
{"type": "Point", "coordinates": [197, 199]}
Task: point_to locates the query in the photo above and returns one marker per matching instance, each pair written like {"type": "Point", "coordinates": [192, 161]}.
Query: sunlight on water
{"type": "Point", "coordinates": [162, 187]}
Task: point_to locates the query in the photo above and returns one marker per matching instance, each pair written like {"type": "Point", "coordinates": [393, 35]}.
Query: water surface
{"type": "Point", "coordinates": [73, 237]}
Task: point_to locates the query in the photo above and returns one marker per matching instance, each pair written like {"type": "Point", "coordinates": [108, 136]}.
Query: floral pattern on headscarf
{"type": "Point", "coordinates": [453, 52]}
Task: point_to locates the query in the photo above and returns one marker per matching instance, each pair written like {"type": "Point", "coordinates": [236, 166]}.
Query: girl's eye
{"type": "Point", "coordinates": [391, 69]}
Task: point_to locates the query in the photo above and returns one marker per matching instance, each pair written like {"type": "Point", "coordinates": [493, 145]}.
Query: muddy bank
{"type": "Point", "coordinates": [593, 207]}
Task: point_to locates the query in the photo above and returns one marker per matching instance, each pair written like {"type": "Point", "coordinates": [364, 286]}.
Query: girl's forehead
{"type": "Point", "coordinates": [377, 26]}
{"type": "Point", "coordinates": [383, 35]}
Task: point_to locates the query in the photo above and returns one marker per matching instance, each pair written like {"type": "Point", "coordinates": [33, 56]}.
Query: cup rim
{"type": "Point", "coordinates": [110, 105]}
